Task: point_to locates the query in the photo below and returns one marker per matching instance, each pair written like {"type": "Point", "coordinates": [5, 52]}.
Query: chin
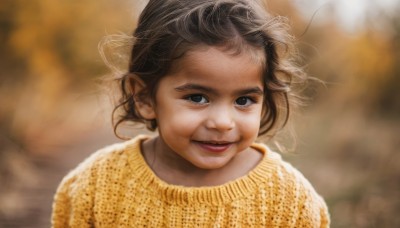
{"type": "Point", "coordinates": [210, 165]}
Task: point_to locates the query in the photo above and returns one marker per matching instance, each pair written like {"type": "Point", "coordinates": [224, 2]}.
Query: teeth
{"type": "Point", "coordinates": [216, 143]}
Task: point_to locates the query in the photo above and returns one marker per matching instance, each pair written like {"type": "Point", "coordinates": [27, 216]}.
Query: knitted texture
{"type": "Point", "coordinates": [115, 188]}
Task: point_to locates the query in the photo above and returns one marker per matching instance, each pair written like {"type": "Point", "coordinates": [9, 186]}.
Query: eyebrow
{"type": "Point", "coordinates": [189, 86]}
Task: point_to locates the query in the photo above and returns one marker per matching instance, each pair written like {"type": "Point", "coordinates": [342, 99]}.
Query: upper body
{"type": "Point", "coordinates": [116, 188]}
{"type": "Point", "coordinates": [210, 76]}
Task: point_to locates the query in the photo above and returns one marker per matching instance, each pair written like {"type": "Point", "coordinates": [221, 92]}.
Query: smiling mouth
{"type": "Point", "coordinates": [214, 146]}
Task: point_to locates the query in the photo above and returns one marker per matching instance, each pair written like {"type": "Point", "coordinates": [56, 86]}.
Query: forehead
{"type": "Point", "coordinates": [217, 66]}
{"type": "Point", "coordinates": [188, 52]}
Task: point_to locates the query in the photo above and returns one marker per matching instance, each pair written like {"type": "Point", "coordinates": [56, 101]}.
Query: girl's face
{"type": "Point", "coordinates": [208, 108]}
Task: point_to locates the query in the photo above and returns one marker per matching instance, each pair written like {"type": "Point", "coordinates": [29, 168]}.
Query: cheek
{"type": "Point", "coordinates": [250, 124]}
{"type": "Point", "coordinates": [179, 120]}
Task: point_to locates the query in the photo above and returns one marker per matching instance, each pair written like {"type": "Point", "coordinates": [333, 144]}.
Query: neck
{"type": "Point", "coordinates": [174, 169]}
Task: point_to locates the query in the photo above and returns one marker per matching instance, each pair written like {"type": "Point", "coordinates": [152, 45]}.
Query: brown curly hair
{"type": "Point", "coordinates": [168, 29]}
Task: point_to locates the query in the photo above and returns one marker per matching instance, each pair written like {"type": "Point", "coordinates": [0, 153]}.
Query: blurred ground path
{"type": "Point", "coordinates": [48, 171]}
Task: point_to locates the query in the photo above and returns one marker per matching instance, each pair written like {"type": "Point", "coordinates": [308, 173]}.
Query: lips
{"type": "Point", "coordinates": [214, 146]}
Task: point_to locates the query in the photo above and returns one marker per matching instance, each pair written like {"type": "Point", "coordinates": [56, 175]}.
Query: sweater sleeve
{"type": "Point", "coordinates": [313, 211]}
{"type": "Point", "coordinates": [73, 201]}
{"type": "Point", "coordinates": [61, 205]}
{"type": "Point", "coordinates": [324, 214]}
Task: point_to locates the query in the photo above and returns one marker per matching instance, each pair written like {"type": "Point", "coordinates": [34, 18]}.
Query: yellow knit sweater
{"type": "Point", "coordinates": [115, 188]}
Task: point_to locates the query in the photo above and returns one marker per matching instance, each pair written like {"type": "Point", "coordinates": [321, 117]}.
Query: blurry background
{"type": "Point", "coordinates": [53, 113]}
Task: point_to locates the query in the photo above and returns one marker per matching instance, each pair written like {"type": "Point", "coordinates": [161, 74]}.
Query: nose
{"type": "Point", "coordinates": [221, 119]}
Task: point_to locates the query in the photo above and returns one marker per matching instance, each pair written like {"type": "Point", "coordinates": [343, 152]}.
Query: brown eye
{"type": "Point", "coordinates": [197, 98]}
{"type": "Point", "coordinates": [243, 101]}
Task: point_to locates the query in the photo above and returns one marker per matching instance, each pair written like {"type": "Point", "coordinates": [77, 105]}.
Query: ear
{"type": "Point", "coordinates": [143, 104]}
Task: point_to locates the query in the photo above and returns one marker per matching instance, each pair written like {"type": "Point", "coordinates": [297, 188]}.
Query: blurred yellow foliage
{"type": "Point", "coordinates": [371, 60]}
{"type": "Point", "coordinates": [55, 43]}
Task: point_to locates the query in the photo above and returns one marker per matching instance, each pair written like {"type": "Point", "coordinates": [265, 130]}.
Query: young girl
{"type": "Point", "coordinates": [210, 76]}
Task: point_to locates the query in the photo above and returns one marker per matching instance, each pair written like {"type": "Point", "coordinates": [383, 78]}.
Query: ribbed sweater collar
{"type": "Point", "coordinates": [215, 195]}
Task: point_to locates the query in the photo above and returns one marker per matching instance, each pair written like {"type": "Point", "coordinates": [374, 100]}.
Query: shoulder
{"type": "Point", "coordinates": [107, 160]}
{"type": "Point", "coordinates": [98, 177]}
{"type": "Point", "coordinates": [280, 171]}
{"type": "Point", "coordinates": [290, 189]}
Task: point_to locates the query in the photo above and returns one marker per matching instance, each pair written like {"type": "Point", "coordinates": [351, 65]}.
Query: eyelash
{"type": "Point", "coordinates": [190, 97]}
{"type": "Point", "coordinates": [248, 99]}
